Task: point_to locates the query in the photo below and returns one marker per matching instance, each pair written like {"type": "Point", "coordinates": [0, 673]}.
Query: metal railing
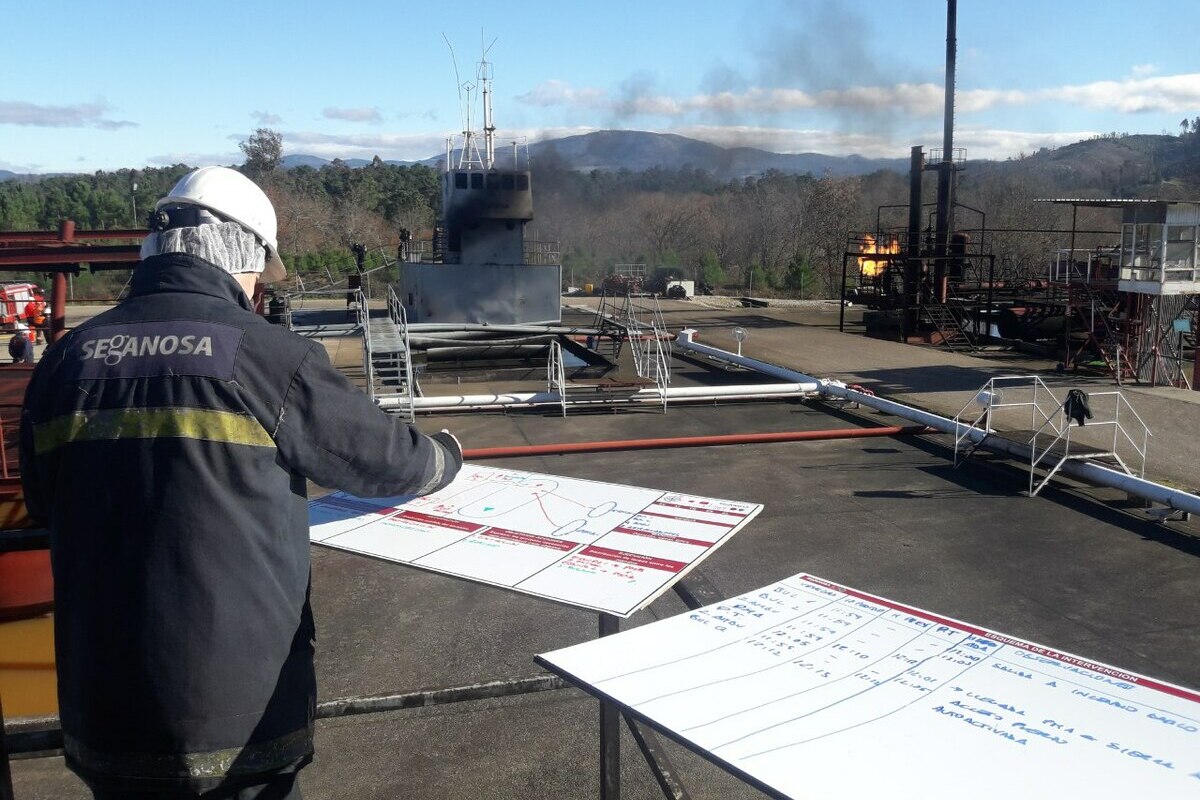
{"type": "Point", "coordinates": [1062, 438]}
{"type": "Point", "coordinates": [990, 398]}
{"type": "Point", "coordinates": [399, 317]}
{"type": "Point", "coordinates": [556, 378]}
{"type": "Point", "coordinates": [651, 357]}
{"type": "Point", "coordinates": [364, 324]}
{"type": "Point", "coordinates": [1051, 434]}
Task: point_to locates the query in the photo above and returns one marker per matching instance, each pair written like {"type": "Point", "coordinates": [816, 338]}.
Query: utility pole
{"type": "Point", "coordinates": [133, 199]}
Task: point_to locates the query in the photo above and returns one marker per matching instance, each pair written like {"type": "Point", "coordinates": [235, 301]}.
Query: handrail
{"type": "Point", "coordinates": [991, 389]}
{"type": "Point", "coordinates": [556, 378]}
{"type": "Point", "coordinates": [364, 323]}
{"type": "Point", "coordinates": [1119, 429]}
{"type": "Point", "coordinates": [399, 316]}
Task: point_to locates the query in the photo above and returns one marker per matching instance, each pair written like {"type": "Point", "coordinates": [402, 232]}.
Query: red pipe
{"type": "Point", "coordinates": [691, 441]}
{"type": "Point", "coordinates": [56, 236]}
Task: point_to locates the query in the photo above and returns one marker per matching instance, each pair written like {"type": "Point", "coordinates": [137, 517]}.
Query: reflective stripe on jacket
{"type": "Point", "coordinates": [166, 444]}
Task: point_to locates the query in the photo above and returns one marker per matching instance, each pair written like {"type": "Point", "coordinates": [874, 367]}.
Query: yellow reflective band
{"type": "Point", "coordinates": [150, 423]}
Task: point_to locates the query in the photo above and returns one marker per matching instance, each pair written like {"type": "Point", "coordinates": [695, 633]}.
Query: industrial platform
{"type": "Point", "coordinates": [1078, 568]}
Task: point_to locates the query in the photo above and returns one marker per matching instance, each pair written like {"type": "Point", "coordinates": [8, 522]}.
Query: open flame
{"type": "Point", "coordinates": [870, 267]}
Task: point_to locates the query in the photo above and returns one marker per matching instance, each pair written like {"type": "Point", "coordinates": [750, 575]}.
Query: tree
{"type": "Point", "coordinates": [799, 276]}
{"type": "Point", "coordinates": [710, 269]}
{"type": "Point", "coordinates": [264, 151]}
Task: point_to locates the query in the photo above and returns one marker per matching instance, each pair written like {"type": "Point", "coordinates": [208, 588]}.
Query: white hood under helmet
{"type": "Point", "coordinates": [233, 198]}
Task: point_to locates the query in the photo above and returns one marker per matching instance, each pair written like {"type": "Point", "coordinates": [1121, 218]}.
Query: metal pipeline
{"type": "Point", "coordinates": [562, 448]}
{"type": "Point", "coordinates": [1082, 470]}
{"type": "Point", "coordinates": [418, 328]}
{"type": "Point", "coordinates": [471, 402]}
{"type": "Point", "coordinates": [463, 341]}
{"type": "Point", "coordinates": [484, 350]}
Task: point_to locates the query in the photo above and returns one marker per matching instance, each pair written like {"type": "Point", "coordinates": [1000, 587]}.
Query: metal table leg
{"type": "Point", "coordinates": [610, 731]}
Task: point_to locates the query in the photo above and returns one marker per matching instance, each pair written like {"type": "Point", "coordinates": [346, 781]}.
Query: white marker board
{"type": "Point", "coordinates": [808, 689]}
{"type": "Point", "coordinates": [599, 546]}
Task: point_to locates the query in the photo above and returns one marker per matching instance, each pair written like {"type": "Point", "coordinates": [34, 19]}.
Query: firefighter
{"type": "Point", "coordinates": [166, 444]}
{"type": "Point", "coordinates": [35, 314]}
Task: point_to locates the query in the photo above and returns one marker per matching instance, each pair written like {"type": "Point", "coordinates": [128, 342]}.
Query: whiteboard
{"type": "Point", "coordinates": [599, 546]}
{"type": "Point", "coordinates": [808, 689]}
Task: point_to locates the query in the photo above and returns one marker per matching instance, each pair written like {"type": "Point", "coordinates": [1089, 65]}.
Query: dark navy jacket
{"type": "Point", "coordinates": [166, 444]}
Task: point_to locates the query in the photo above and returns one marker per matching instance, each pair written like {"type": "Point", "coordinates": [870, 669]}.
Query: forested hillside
{"type": "Point", "coordinates": [784, 232]}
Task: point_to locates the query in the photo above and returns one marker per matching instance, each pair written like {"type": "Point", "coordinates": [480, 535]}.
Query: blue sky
{"type": "Point", "coordinates": [103, 85]}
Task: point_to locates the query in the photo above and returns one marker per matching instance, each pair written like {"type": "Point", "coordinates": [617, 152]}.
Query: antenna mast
{"type": "Point", "coordinates": [469, 155]}
{"type": "Point", "coordinates": [484, 76]}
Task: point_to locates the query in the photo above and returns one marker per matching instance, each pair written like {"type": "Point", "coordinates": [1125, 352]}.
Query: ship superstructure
{"type": "Point", "coordinates": [483, 269]}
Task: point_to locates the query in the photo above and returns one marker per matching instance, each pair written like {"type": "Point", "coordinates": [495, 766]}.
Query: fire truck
{"type": "Point", "coordinates": [14, 297]}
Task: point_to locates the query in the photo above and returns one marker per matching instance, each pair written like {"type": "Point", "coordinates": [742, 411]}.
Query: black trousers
{"type": "Point", "coordinates": [280, 787]}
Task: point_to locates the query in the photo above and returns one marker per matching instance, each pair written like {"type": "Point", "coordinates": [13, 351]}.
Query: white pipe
{"type": "Point", "coordinates": [1083, 470]}
{"type": "Point", "coordinates": [417, 328]}
{"type": "Point", "coordinates": [648, 395]}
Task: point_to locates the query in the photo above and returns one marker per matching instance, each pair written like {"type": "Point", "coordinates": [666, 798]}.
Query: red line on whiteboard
{"type": "Point", "coordinates": [538, 497]}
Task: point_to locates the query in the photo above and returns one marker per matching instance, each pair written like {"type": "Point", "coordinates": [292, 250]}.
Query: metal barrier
{"type": "Point", "coordinates": [1051, 438]}
{"type": "Point", "coordinates": [399, 318]}
{"type": "Point", "coordinates": [991, 398]}
{"type": "Point", "coordinates": [556, 379]}
{"type": "Point", "coordinates": [1060, 445]}
{"type": "Point", "coordinates": [364, 323]}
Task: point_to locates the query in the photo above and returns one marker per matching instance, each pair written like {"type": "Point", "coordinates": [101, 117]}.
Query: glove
{"type": "Point", "coordinates": [452, 447]}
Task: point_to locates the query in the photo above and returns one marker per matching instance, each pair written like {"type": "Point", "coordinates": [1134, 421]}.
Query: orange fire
{"type": "Point", "coordinates": [870, 267]}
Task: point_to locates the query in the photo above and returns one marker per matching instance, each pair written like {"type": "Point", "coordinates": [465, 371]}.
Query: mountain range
{"type": "Point", "coordinates": [637, 151]}
{"type": "Point", "coordinates": [1119, 161]}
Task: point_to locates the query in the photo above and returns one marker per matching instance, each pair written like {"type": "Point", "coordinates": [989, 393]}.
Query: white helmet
{"type": "Point", "coordinates": [231, 195]}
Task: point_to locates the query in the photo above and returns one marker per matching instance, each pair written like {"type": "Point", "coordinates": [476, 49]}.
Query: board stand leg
{"type": "Point", "coordinates": [610, 731]}
{"type": "Point", "coordinates": [660, 764]}
{"type": "Point", "coordinates": [6, 787]}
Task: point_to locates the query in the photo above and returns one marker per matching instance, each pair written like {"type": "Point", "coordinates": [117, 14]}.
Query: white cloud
{"type": "Point", "coordinates": [366, 114]}
{"type": "Point", "coordinates": [1142, 70]}
{"type": "Point", "coordinates": [266, 118]}
{"type": "Point", "coordinates": [560, 93]}
{"type": "Point", "coordinates": [401, 146]}
{"type": "Point", "coordinates": [981, 143]}
{"type": "Point", "coordinates": [196, 159]}
{"type": "Point", "coordinates": [993, 143]}
{"type": "Point", "coordinates": [1168, 93]}
{"type": "Point", "coordinates": [14, 167]}
{"type": "Point", "coordinates": [79, 115]}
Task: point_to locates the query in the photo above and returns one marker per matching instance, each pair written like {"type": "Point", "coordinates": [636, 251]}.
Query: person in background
{"type": "Point", "coordinates": [35, 316]}
{"type": "Point", "coordinates": [166, 444]}
{"type": "Point", "coordinates": [20, 348]}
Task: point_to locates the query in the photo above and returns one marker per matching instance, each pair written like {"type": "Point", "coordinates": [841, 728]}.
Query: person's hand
{"type": "Point", "coordinates": [452, 446]}
{"type": "Point", "coordinates": [455, 438]}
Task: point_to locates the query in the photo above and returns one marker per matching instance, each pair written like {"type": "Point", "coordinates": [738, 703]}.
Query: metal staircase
{"type": "Point", "coordinates": [948, 325]}
{"type": "Point", "coordinates": [1098, 310]}
{"type": "Point", "coordinates": [388, 356]}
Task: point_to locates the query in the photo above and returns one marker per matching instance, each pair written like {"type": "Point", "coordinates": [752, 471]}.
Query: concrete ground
{"type": "Point", "coordinates": [1074, 568]}
{"type": "Point", "coordinates": [935, 379]}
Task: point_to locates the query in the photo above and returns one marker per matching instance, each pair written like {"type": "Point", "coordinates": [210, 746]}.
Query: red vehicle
{"type": "Point", "coordinates": [16, 300]}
